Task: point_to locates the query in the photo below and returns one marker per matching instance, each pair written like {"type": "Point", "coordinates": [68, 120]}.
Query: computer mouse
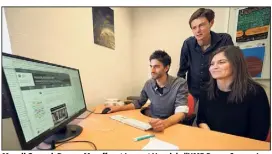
{"type": "Point", "coordinates": [106, 110]}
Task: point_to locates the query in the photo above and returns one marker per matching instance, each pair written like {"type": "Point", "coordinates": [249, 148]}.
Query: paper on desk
{"type": "Point", "coordinates": [156, 144]}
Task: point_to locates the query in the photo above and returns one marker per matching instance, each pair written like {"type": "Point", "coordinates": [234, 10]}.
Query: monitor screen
{"type": "Point", "coordinates": [45, 96]}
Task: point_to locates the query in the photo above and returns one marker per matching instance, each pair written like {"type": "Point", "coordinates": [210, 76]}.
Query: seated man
{"type": "Point", "coordinates": [168, 94]}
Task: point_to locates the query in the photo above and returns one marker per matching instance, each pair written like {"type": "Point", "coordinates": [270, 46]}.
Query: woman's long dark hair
{"type": "Point", "coordinates": [242, 82]}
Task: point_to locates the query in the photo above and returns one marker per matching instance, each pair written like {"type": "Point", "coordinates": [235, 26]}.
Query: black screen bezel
{"type": "Point", "coordinates": [40, 138]}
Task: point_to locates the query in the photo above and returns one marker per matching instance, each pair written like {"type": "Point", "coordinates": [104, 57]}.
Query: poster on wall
{"type": "Point", "coordinates": [253, 24]}
{"type": "Point", "coordinates": [103, 27]}
{"type": "Point", "coordinates": [254, 58]}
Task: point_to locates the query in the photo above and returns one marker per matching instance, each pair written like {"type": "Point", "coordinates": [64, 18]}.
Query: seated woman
{"type": "Point", "coordinates": [233, 103]}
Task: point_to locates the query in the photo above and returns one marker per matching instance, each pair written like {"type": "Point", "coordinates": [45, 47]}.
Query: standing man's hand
{"type": "Point", "coordinates": [204, 126]}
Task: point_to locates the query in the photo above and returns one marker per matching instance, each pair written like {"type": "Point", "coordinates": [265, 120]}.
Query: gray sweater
{"type": "Point", "coordinates": [173, 99]}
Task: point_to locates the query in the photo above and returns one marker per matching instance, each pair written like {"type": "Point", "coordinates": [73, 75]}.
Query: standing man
{"type": "Point", "coordinates": [196, 50]}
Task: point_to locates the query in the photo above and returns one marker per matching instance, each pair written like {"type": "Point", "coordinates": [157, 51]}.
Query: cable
{"type": "Point", "coordinates": [91, 112]}
{"type": "Point", "coordinates": [87, 115]}
{"type": "Point", "coordinates": [95, 148]}
{"type": "Point", "coordinates": [53, 146]}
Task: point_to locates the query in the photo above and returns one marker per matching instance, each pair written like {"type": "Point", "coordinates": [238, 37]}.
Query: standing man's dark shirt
{"type": "Point", "coordinates": [195, 61]}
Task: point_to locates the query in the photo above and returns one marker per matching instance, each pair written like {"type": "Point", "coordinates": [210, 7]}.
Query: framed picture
{"type": "Point", "coordinates": [103, 27]}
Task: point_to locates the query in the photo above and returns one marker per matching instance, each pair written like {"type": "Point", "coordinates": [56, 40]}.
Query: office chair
{"type": "Point", "coordinates": [189, 119]}
{"type": "Point", "coordinates": [268, 139]}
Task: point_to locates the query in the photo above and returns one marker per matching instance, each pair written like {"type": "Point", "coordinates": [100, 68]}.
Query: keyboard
{"type": "Point", "coordinates": [132, 122]}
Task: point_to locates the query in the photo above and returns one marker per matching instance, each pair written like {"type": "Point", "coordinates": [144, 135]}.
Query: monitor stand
{"type": "Point", "coordinates": [67, 133]}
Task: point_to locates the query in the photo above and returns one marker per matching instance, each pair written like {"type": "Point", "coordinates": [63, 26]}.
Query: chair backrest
{"type": "Point", "coordinates": [191, 104]}
{"type": "Point", "coordinates": [268, 139]}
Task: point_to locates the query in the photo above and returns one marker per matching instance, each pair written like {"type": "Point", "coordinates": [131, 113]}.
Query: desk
{"type": "Point", "coordinates": [108, 134]}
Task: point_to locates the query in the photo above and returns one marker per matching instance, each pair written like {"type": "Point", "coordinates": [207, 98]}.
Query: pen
{"type": "Point", "coordinates": [143, 137]}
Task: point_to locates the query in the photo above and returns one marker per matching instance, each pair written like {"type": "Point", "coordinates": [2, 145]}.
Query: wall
{"type": "Point", "coordinates": [50, 33]}
{"type": "Point", "coordinates": [5, 35]}
{"type": "Point", "coordinates": [163, 28]}
{"type": "Point", "coordinates": [65, 36]}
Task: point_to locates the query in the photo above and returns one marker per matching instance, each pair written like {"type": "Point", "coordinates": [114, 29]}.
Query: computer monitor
{"type": "Point", "coordinates": [44, 98]}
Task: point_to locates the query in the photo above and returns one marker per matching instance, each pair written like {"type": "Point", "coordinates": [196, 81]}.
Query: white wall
{"type": "Point", "coordinates": [163, 28]}
{"type": "Point", "coordinates": [5, 34]}
{"type": "Point", "coordinates": [65, 36]}
{"type": "Point", "coordinates": [50, 33]}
